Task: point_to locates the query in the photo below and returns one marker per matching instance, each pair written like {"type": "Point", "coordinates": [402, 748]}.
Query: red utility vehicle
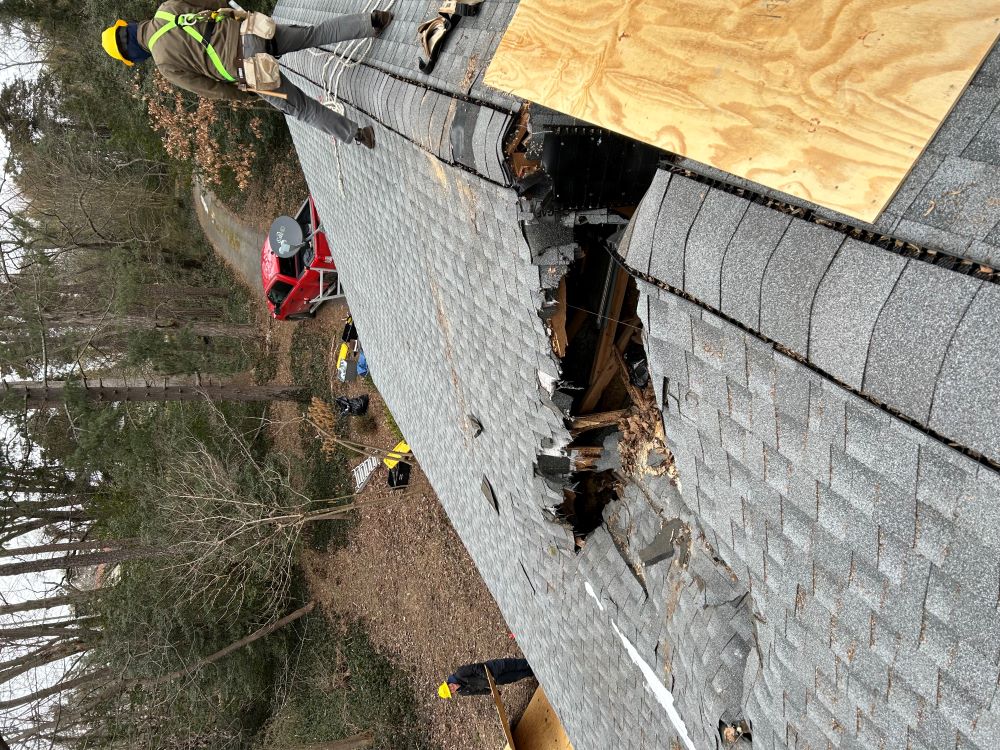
{"type": "Point", "coordinates": [296, 266]}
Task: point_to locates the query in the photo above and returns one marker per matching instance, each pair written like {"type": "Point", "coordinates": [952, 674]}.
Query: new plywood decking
{"type": "Point", "coordinates": [829, 100]}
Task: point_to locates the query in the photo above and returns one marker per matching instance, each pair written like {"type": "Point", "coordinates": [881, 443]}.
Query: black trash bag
{"type": "Point", "coordinates": [353, 406]}
{"type": "Point", "coordinates": [635, 360]}
{"type": "Point", "coordinates": [399, 475]}
{"type": "Point", "coordinates": [350, 332]}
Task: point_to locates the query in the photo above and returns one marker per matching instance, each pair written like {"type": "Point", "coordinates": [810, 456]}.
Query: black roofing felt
{"type": "Point", "coordinates": [844, 565]}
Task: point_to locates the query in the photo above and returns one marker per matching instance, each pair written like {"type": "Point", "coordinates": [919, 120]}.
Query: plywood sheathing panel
{"type": "Point", "coordinates": [831, 101]}
{"type": "Point", "coordinates": [539, 727]}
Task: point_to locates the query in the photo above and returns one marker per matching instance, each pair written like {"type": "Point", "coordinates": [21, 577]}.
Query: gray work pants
{"type": "Point", "coordinates": [294, 38]}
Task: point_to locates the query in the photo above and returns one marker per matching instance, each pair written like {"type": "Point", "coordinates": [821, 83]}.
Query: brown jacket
{"type": "Point", "coordinates": [183, 61]}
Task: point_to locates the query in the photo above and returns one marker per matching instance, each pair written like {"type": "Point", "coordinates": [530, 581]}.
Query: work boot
{"type": "Point", "coordinates": [380, 19]}
{"type": "Point", "coordinates": [365, 137]}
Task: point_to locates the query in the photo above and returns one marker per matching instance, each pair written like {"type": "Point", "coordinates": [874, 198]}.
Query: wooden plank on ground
{"type": "Point", "coordinates": [539, 727]}
{"type": "Point", "coordinates": [501, 711]}
{"type": "Point", "coordinates": [829, 100]}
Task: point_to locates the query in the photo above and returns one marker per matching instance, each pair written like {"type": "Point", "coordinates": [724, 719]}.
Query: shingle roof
{"type": "Point", "coordinates": [873, 586]}
{"type": "Point", "coordinates": [840, 585]}
{"type": "Point", "coordinates": [894, 328]}
{"type": "Point", "coordinates": [442, 287]}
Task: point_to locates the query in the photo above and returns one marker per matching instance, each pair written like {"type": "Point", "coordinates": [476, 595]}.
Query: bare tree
{"type": "Point", "coordinates": [235, 518]}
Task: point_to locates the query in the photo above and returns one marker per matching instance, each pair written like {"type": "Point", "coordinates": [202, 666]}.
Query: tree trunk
{"type": "Point", "coordinates": [107, 557]}
{"type": "Point", "coordinates": [36, 394]}
{"type": "Point", "coordinates": [357, 742]}
{"type": "Point", "coordinates": [223, 653]}
{"type": "Point", "coordinates": [38, 695]}
{"type": "Point", "coordinates": [13, 532]}
{"type": "Point", "coordinates": [53, 547]}
{"type": "Point", "coordinates": [45, 630]}
{"type": "Point", "coordinates": [45, 655]}
{"type": "Point", "coordinates": [48, 603]}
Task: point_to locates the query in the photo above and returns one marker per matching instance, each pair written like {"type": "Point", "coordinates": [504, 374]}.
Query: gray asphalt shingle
{"type": "Point", "coordinates": [790, 280]}
{"type": "Point", "coordinates": [912, 334]}
{"type": "Point", "coordinates": [756, 238]}
{"type": "Point", "coordinates": [960, 199]}
{"type": "Point", "coordinates": [846, 571]}
{"type": "Point", "coordinates": [710, 234]}
{"type": "Point", "coordinates": [640, 245]}
{"type": "Point", "coordinates": [680, 207]}
{"type": "Point", "coordinates": [846, 306]}
{"type": "Point", "coordinates": [967, 392]}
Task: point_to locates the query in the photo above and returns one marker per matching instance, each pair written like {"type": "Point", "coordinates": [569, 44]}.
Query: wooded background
{"type": "Point", "coordinates": [139, 495]}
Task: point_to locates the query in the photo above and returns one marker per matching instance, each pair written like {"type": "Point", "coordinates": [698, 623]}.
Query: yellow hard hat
{"type": "Point", "coordinates": [444, 691]}
{"type": "Point", "coordinates": [110, 42]}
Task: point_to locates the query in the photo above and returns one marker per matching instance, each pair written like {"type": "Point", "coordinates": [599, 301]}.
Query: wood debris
{"type": "Point", "coordinates": [643, 438]}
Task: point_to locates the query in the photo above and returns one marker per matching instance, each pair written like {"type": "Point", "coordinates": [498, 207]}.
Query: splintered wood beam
{"type": "Point", "coordinates": [606, 374]}
{"type": "Point", "coordinates": [633, 392]}
{"type": "Point", "coordinates": [576, 323]}
{"type": "Point", "coordinates": [594, 421]}
{"type": "Point", "coordinates": [558, 322]}
{"type": "Point", "coordinates": [585, 458]}
{"type": "Point", "coordinates": [604, 366]}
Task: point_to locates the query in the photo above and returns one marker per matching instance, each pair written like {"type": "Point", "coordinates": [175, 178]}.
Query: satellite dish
{"type": "Point", "coordinates": [285, 237]}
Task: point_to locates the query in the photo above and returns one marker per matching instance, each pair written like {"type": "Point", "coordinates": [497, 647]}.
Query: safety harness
{"type": "Point", "coordinates": [186, 21]}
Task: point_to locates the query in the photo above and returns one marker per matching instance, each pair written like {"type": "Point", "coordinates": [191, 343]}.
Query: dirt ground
{"type": "Point", "coordinates": [405, 574]}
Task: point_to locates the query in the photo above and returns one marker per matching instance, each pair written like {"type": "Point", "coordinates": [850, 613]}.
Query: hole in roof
{"type": "Point", "coordinates": [605, 386]}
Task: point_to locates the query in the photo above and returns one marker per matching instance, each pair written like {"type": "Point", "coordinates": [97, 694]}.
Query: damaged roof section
{"type": "Point", "coordinates": [868, 549]}
{"type": "Point", "coordinates": [448, 282]}
{"type": "Point", "coordinates": [905, 332]}
{"type": "Point", "coordinates": [694, 623]}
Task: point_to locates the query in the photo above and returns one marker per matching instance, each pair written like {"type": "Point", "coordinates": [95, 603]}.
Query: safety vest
{"type": "Point", "coordinates": [186, 21]}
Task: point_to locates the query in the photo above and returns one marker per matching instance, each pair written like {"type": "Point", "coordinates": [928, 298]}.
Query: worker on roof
{"type": "Point", "coordinates": [227, 54]}
{"type": "Point", "coordinates": [471, 679]}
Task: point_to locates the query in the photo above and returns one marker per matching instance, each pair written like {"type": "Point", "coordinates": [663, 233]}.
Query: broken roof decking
{"type": "Point", "coordinates": [907, 333]}
{"type": "Point", "coordinates": [445, 298]}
